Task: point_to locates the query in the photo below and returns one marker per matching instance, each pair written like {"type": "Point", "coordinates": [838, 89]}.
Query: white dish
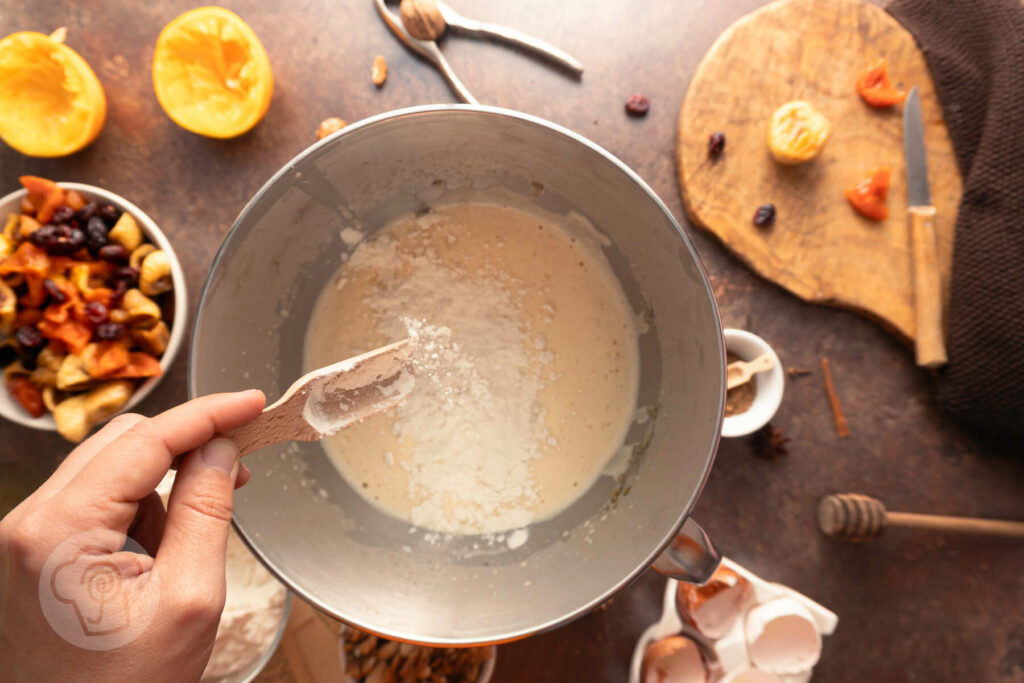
{"type": "Point", "coordinates": [9, 408]}
{"type": "Point", "coordinates": [769, 385]}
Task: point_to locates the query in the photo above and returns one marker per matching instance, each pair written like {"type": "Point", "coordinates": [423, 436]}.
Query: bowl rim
{"type": "Point", "coordinates": [686, 506]}
{"type": "Point", "coordinates": [771, 386]}
{"type": "Point", "coordinates": [13, 412]}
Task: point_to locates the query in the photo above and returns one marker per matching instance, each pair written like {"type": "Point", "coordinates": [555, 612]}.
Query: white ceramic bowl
{"type": "Point", "coordinates": [769, 385]}
{"type": "Point", "coordinates": [9, 408]}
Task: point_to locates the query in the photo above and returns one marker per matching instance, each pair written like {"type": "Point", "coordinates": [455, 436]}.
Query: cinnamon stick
{"type": "Point", "coordinates": [842, 427]}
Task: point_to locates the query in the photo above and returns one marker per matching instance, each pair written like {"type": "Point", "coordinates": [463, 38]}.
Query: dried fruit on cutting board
{"type": "Point", "coordinates": [211, 73]}
{"type": "Point", "coordinates": [371, 659]}
{"type": "Point", "coordinates": [422, 19]}
{"type": "Point", "coordinates": [79, 327]}
{"type": "Point", "coordinates": [797, 132]}
{"type": "Point", "coordinates": [869, 195]}
{"type": "Point", "coordinates": [51, 103]}
{"type": "Point", "coordinates": [638, 105]}
{"type": "Point", "coordinates": [379, 71]}
{"type": "Point", "coordinates": [876, 89]}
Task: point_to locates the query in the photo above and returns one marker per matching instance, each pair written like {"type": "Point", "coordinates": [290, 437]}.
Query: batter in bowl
{"type": "Point", "coordinates": [526, 364]}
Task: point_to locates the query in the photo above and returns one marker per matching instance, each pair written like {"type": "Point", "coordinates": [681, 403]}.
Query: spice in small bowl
{"type": "Point", "coordinates": [739, 399]}
{"type": "Point", "coordinates": [745, 412]}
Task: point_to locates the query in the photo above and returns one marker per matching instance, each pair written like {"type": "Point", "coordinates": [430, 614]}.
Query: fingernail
{"type": "Point", "coordinates": [220, 454]}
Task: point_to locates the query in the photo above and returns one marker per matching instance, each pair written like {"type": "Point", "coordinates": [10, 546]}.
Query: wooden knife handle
{"type": "Point", "coordinates": [931, 345]}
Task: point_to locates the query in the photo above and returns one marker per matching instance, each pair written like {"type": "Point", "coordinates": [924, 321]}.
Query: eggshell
{"type": "Point", "coordinates": [782, 637]}
{"type": "Point", "coordinates": [731, 649]}
{"type": "Point", "coordinates": [713, 607]}
{"type": "Point", "coordinates": [751, 676]}
{"type": "Point", "coordinates": [675, 659]}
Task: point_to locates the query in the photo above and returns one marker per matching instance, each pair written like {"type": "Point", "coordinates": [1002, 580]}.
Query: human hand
{"type": "Point", "coordinates": [80, 598]}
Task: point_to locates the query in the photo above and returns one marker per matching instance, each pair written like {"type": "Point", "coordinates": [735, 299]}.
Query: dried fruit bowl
{"type": "Point", "coordinates": [9, 408]}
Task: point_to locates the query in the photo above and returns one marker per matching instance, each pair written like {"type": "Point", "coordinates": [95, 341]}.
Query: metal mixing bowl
{"type": "Point", "coordinates": [318, 535]}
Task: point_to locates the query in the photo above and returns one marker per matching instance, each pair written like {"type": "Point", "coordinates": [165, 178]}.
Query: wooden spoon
{"type": "Point", "coordinates": [740, 372]}
{"type": "Point", "coordinates": [332, 398]}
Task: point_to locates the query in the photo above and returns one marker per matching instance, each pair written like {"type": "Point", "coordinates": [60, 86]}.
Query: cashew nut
{"type": "Point", "coordinates": [126, 232]}
{"type": "Point", "coordinates": [75, 416]}
{"type": "Point", "coordinates": [140, 253]}
{"type": "Point", "coordinates": [8, 305]}
{"type": "Point", "coordinates": [153, 341]}
{"type": "Point", "coordinates": [155, 277]}
{"type": "Point", "coordinates": [142, 311]}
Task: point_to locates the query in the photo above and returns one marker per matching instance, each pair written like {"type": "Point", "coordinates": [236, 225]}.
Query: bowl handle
{"type": "Point", "coordinates": [690, 557]}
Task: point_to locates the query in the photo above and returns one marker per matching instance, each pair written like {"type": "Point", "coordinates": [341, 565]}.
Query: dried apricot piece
{"type": "Point", "coordinates": [876, 89]}
{"type": "Point", "coordinates": [869, 195]}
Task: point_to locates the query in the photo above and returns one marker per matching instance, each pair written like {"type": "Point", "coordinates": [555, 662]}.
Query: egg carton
{"type": "Point", "coordinates": [728, 658]}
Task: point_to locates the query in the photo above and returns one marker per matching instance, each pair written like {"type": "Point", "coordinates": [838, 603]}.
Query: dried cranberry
{"type": "Point", "coordinates": [62, 214]}
{"type": "Point", "coordinates": [95, 312]}
{"type": "Point", "coordinates": [87, 212]}
{"type": "Point", "coordinates": [764, 216]}
{"type": "Point", "coordinates": [114, 253]}
{"type": "Point", "coordinates": [109, 331]}
{"type": "Point", "coordinates": [637, 105]}
{"type": "Point", "coordinates": [109, 213]}
{"type": "Point", "coordinates": [44, 236]}
{"type": "Point", "coordinates": [716, 143]}
{"type": "Point", "coordinates": [57, 295]}
{"type": "Point", "coordinates": [29, 337]}
{"type": "Point", "coordinates": [96, 234]}
{"type": "Point", "coordinates": [126, 274]}
{"type": "Point", "coordinates": [120, 288]}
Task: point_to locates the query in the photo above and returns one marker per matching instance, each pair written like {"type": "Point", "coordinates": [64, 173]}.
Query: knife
{"type": "Point", "coordinates": [930, 342]}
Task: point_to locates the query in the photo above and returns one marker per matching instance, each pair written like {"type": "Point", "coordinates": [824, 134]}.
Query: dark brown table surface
{"type": "Point", "coordinates": [912, 606]}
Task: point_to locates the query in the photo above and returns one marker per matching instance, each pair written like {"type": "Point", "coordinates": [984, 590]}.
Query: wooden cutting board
{"type": "Point", "coordinates": [819, 248]}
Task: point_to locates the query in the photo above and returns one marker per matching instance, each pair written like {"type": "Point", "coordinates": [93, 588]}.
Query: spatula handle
{"type": "Point", "coordinates": [930, 343]}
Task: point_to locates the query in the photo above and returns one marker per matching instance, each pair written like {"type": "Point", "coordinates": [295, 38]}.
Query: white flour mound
{"type": "Point", "coordinates": [474, 418]}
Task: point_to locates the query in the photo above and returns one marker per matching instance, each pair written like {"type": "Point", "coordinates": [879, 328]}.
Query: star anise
{"type": "Point", "coordinates": [769, 442]}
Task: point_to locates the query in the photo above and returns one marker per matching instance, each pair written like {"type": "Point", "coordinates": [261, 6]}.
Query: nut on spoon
{"type": "Point", "coordinates": [331, 398]}
{"type": "Point", "coordinates": [739, 372]}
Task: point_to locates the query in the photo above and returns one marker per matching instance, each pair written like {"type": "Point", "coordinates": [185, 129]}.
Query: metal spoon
{"type": "Point", "coordinates": [331, 398]}
{"type": "Point", "coordinates": [739, 372]}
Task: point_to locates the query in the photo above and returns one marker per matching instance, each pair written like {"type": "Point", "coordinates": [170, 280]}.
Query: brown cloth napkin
{"type": "Point", "coordinates": [975, 52]}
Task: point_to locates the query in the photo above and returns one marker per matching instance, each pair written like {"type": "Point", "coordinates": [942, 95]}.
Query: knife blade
{"type": "Point", "coordinates": [929, 334]}
{"type": "Point", "coordinates": [918, 193]}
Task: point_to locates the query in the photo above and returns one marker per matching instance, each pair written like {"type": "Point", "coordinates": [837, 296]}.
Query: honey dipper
{"type": "Point", "coordinates": [857, 517]}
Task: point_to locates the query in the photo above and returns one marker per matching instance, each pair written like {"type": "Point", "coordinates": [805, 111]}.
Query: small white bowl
{"type": "Point", "coordinates": [769, 385]}
{"type": "Point", "coordinates": [9, 408]}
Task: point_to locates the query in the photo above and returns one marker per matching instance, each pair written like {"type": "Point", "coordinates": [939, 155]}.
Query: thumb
{"type": "Point", "coordinates": [199, 516]}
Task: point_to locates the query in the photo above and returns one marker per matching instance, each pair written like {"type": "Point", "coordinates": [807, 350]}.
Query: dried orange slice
{"type": "Point", "coordinates": [211, 74]}
{"type": "Point", "coordinates": [51, 103]}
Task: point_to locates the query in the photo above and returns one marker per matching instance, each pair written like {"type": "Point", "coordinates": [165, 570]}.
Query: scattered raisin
{"type": "Point", "coordinates": [95, 312]}
{"type": "Point", "coordinates": [120, 289]}
{"type": "Point", "coordinates": [637, 105]}
{"type": "Point", "coordinates": [764, 216]}
{"type": "Point", "coordinates": [96, 234]}
{"type": "Point", "coordinates": [58, 240]}
{"type": "Point", "coordinates": [112, 252]}
{"type": "Point", "coordinates": [29, 337]}
{"type": "Point", "coordinates": [57, 296]}
{"type": "Point", "coordinates": [109, 213]}
{"type": "Point", "coordinates": [716, 143]}
{"type": "Point", "coordinates": [109, 331]}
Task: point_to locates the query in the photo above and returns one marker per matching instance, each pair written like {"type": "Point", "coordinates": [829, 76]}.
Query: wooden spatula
{"type": "Point", "coordinates": [329, 399]}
